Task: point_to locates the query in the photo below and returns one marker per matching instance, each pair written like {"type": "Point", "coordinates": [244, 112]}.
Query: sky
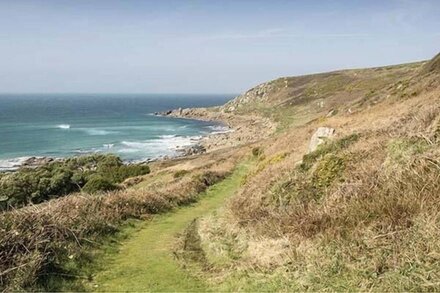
{"type": "Point", "coordinates": [211, 46]}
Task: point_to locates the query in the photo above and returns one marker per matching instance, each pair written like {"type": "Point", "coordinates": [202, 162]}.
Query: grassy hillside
{"type": "Point", "coordinates": [361, 212]}
{"type": "Point", "coordinates": [292, 101]}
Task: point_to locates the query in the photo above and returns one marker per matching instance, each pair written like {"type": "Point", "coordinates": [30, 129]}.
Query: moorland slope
{"type": "Point", "coordinates": [361, 212]}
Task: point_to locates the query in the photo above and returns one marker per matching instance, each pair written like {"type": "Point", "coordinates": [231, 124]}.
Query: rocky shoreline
{"type": "Point", "coordinates": [237, 129]}
{"type": "Point", "coordinates": [28, 162]}
{"type": "Point", "coordinates": [241, 128]}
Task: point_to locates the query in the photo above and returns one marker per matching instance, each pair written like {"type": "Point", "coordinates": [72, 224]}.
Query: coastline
{"type": "Point", "coordinates": [180, 151]}
{"type": "Point", "coordinates": [233, 130]}
{"type": "Point", "coordinates": [242, 129]}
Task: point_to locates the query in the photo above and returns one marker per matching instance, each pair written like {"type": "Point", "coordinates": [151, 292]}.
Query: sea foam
{"type": "Point", "coordinates": [12, 164]}
{"type": "Point", "coordinates": [93, 131]}
{"type": "Point", "coordinates": [63, 126]}
{"type": "Point", "coordinates": [217, 129]}
{"type": "Point", "coordinates": [164, 144]}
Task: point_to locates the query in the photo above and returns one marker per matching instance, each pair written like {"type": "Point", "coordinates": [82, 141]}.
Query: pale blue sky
{"type": "Point", "coordinates": [200, 46]}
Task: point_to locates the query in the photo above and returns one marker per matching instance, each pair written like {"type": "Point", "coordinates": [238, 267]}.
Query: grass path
{"type": "Point", "coordinates": [145, 261]}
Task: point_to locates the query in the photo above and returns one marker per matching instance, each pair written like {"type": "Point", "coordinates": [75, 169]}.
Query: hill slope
{"type": "Point", "coordinates": [433, 65]}
{"type": "Point", "coordinates": [294, 101]}
{"type": "Point", "coordinates": [360, 212]}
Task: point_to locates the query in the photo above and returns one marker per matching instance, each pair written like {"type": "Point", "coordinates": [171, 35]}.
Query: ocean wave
{"type": "Point", "coordinates": [135, 144]}
{"type": "Point", "coordinates": [167, 136]}
{"type": "Point", "coordinates": [217, 129]}
{"type": "Point", "coordinates": [89, 131]}
{"type": "Point", "coordinates": [94, 131]}
{"type": "Point", "coordinates": [12, 164]}
{"type": "Point", "coordinates": [196, 138]}
{"type": "Point", "coordinates": [165, 144]}
{"type": "Point", "coordinates": [128, 151]}
{"type": "Point", "coordinates": [86, 152]}
{"type": "Point", "coordinates": [63, 126]}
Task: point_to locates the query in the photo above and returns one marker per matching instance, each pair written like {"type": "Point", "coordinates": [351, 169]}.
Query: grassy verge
{"type": "Point", "coordinates": [145, 261]}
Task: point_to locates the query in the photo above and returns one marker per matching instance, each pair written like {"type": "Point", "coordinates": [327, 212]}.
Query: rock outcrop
{"type": "Point", "coordinates": [320, 136]}
{"type": "Point", "coordinates": [255, 95]}
{"type": "Point", "coordinates": [239, 129]}
{"type": "Point", "coordinates": [34, 162]}
{"type": "Point", "coordinates": [193, 150]}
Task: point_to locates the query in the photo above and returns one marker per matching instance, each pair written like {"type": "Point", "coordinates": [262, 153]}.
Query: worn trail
{"type": "Point", "coordinates": [145, 261]}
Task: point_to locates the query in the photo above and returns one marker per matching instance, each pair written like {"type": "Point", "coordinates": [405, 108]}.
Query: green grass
{"type": "Point", "coordinates": [145, 261]}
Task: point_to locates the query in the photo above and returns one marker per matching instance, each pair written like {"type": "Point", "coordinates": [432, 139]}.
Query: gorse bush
{"type": "Point", "coordinates": [329, 147]}
{"type": "Point", "coordinates": [35, 185]}
{"type": "Point", "coordinates": [98, 183]}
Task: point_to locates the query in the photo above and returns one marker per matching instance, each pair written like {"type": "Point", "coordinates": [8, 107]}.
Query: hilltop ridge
{"type": "Point", "coordinates": [293, 101]}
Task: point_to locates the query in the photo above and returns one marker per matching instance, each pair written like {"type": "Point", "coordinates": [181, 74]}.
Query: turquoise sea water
{"type": "Point", "coordinates": [67, 124]}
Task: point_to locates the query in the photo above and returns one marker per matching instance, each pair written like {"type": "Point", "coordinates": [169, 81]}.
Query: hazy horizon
{"type": "Point", "coordinates": [201, 47]}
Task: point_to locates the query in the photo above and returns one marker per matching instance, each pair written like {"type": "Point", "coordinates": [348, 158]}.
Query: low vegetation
{"type": "Point", "coordinates": [359, 213]}
{"type": "Point", "coordinates": [94, 173]}
{"type": "Point", "coordinates": [43, 243]}
{"type": "Point", "coordinates": [332, 147]}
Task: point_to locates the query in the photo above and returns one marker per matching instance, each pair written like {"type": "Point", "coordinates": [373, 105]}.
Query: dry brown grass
{"type": "Point", "coordinates": [364, 216]}
{"type": "Point", "coordinates": [38, 240]}
{"type": "Point", "coordinates": [433, 65]}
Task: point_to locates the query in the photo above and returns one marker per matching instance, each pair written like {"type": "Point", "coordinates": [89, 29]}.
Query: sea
{"type": "Point", "coordinates": [63, 125]}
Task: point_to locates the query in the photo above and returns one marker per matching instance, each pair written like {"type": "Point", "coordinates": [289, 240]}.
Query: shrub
{"type": "Point", "coordinates": [98, 183]}
{"type": "Point", "coordinates": [326, 148]}
{"type": "Point", "coordinates": [60, 178]}
{"type": "Point", "coordinates": [303, 188]}
{"type": "Point", "coordinates": [329, 168]}
{"type": "Point", "coordinates": [127, 171]}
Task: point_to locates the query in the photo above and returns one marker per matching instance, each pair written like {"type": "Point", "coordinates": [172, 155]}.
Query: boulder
{"type": "Point", "coordinates": [34, 162]}
{"type": "Point", "coordinates": [192, 150]}
{"type": "Point", "coordinates": [320, 136]}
